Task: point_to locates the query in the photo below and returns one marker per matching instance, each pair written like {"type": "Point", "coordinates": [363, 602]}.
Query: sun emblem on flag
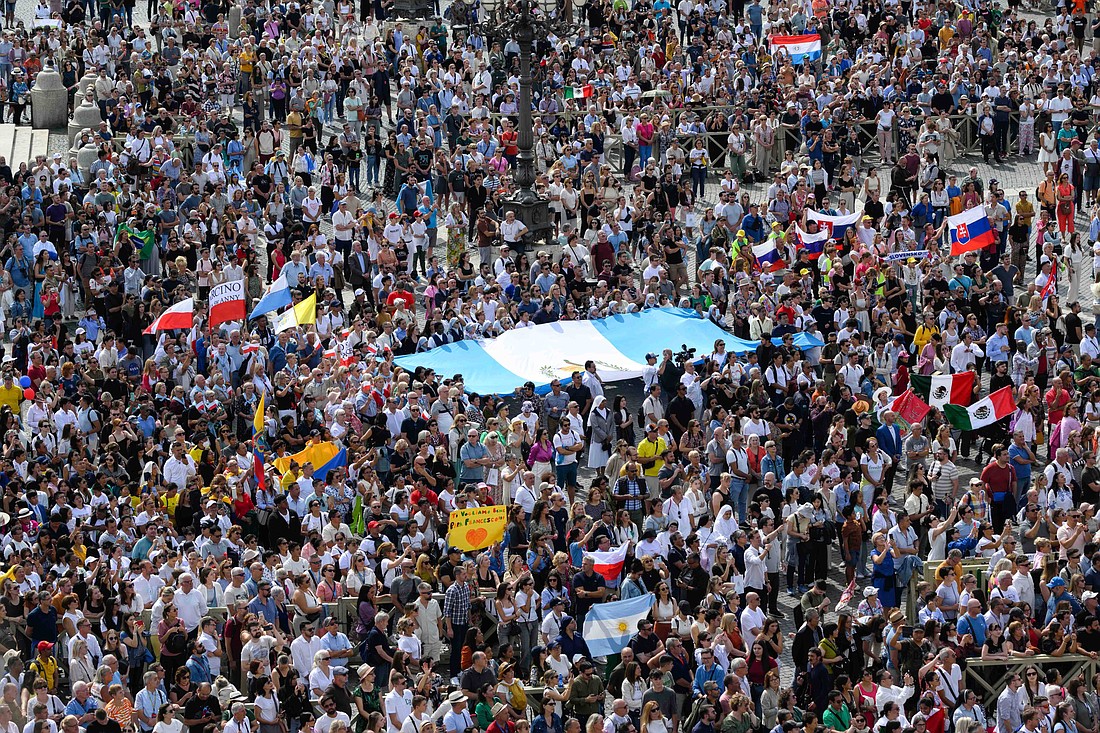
{"type": "Point", "coordinates": [623, 627]}
{"type": "Point", "coordinates": [962, 233]}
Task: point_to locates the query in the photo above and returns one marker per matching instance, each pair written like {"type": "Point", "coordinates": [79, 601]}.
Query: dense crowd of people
{"type": "Point", "coordinates": [242, 528]}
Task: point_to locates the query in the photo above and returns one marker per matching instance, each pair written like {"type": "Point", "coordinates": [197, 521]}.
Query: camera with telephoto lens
{"type": "Point", "coordinates": [684, 355]}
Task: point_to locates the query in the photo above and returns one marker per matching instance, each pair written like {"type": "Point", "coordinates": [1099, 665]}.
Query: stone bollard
{"type": "Point", "coordinates": [85, 156]}
{"type": "Point", "coordinates": [49, 100]}
{"type": "Point", "coordinates": [88, 80]}
{"type": "Point", "coordinates": [85, 116]}
{"type": "Point", "coordinates": [234, 20]}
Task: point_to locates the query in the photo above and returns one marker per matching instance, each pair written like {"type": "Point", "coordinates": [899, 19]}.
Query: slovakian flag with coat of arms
{"type": "Point", "coordinates": [970, 231]}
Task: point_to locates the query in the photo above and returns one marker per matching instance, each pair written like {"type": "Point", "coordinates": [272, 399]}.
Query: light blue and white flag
{"type": "Point", "coordinates": [276, 297]}
{"type": "Point", "coordinates": [609, 626]}
{"type": "Point", "coordinates": [617, 344]}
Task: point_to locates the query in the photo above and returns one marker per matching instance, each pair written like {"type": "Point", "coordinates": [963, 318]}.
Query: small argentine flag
{"type": "Point", "coordinates": [609, 626]}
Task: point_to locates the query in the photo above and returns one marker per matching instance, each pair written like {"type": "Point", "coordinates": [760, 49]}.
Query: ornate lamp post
{"type": "Point", "coordinates": [522, 22]}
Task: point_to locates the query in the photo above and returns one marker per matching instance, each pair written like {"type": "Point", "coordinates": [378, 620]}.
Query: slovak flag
{"type": "Point", "coordinates": [767, 256]}
{"type": "Point", "coordinates": [835, 224]}
{"type": "Point", "coordinates": [814, 244]}
{"type": "Point", "coordinates": [970, 231]}
{"type": "Point", "coordinates": [609, 564]}
{"type": "Point", "coordinates": [180, 315]}
{"type": "Point", "coordinates": [799, 48]}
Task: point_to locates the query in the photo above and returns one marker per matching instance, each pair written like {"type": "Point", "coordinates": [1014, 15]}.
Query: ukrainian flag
{"type": "Point", "coordinates": [323, 456]}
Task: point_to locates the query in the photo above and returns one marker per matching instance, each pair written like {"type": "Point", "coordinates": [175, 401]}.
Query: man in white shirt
{"type": "Point", "coordinates": [328, 704]}
{"type": "Point", "coordinates": [190, 601]}
{"type": "Point", "coordinates": [458, 719]}
{"type": "Point", "coordinates": [965, 354]}
{"type": "Point", "coordinates": [753, 617]}
{"type": "Point", "coordinates": [343, 227]}
{"type": "Point", "coordinates": [551, 623]}
{"type": "Point", "coordinates": [179, 468]}
{"type": "Point", "coordinates": [1090, 345]}
{"type": "Point", "coordinates": [398, 705]}
{"type": "Point", "coordinates": [512, 230]}
{"type": "Point", "coordinates": [526, 494]}
{"type": "Point", "coordinates": [303, 648]}
{"type": "Point", "coordinates": [148, 584]}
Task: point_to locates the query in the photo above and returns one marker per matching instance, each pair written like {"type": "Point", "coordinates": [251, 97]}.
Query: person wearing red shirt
{"type": "Point", "coordinates": [1057, 398]}
{"type": "Point", "coordinates": [423, 491]}
{"type": "Point", "coordinates": [1000, 482]}
{"type": "Point", "coordinates": [501, 720]}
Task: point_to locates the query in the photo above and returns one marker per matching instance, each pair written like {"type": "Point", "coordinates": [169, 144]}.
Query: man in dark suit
{"type": "Point", "coordinates": [284, 522]}
{"type": "Point", "coordinates": [889, 441]}
{"type": "Point", "coordinates": [358, 267]}
{"type": "Point", "coordinates": [808, 637]}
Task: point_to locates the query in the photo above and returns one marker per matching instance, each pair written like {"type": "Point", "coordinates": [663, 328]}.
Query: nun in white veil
{"type": "Point", "coordinates": [726, 524]}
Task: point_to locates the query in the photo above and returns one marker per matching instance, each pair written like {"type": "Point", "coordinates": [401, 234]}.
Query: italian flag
{"type": "Point", "coordinates": [944, 389]}
{"type": "Point", "coordinates": [609, 564]}
{"type": "Point", "coordinates": [580, 92]}
{"type": "Point", "coordinates": [996, 406]}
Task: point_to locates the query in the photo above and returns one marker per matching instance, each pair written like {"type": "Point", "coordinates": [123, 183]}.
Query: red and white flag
{"type": "Point", "coordinates": [180, 315]}
{"type": "Point", "coordinates": [227, 302]}
{"type": "Point", "coordinates": [609, 564]}
{"type": "Point", "coordinates": [1051, 285]}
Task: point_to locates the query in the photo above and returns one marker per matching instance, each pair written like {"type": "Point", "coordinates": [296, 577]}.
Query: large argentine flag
{"type": "Point", "coordinates": [800, 48]}
{"type": "Point", "coordinates": [276, 297]}
{"type": "Point", "coordinates": [835, 224]}
{"type": "Point", "coordinates": [970, 231]}
{"type": "Point", "coordinates": [609, 626]}
{"type": "Point", "coordinates": [550, 351]}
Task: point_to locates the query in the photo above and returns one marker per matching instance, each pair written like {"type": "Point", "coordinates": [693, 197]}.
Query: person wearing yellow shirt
{"type": "Point", "coordinates": [11, 394]}
{"type": "Point", "coordinates": [924, 332]}
{"type": "Point", "coordinates": [650, 451]}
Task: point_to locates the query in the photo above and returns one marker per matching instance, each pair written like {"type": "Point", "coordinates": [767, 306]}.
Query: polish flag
{"type": "Point", "coordinates": [609, 564]}
{"type": "Point", "coordinates": [227, 302]}
{"type": "Point", "coordinates": [249, 348]}
{"type": "Point", "coordinates": [180, 315]}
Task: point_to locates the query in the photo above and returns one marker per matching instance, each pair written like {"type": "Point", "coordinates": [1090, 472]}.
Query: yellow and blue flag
{"type": "Point", "coordinates": [323, 456]}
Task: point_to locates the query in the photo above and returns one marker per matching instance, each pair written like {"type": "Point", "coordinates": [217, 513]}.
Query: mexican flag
{"type": "Point", "coordinates": [987, 411]}
{"type": "Point", "coordinates": [944, 389]}
{"type": "Point", "coordinates": [580, 92]}
{"type": "Point", "coordinates": [146, 237]}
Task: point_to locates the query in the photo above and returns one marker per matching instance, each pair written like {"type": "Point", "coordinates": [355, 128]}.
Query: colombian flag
{"type": "Point", "coordinates": [257, 454]}
{"type": "Point", "coordinates": [323, 456]}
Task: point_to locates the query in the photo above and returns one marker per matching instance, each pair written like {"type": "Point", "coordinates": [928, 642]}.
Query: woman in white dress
{"type": "Point", "coordinates": [1048, 153]}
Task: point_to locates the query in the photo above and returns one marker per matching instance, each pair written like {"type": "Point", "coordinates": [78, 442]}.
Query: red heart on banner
{"type": "Point", "coordinates": [474, 537]}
